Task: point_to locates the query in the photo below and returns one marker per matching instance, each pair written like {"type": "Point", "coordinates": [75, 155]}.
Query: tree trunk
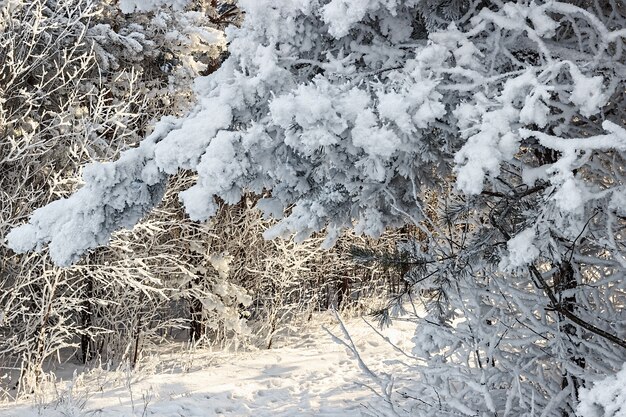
{"type": "Point", "coordinates": [196, 328]}
{"type": "Point", "coordinates": [86, 341]}
{"type": "Point", "coordinates": [565, 280]}
{"type": "Point", "coordinates": [342, 293]}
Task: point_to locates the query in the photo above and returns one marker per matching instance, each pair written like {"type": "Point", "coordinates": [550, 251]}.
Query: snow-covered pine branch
{"type": "Point", "coordinates": [357, 111]}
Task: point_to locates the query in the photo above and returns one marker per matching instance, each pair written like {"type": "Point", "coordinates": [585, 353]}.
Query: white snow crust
{"type": "Point", "coordinates": [307, 375]}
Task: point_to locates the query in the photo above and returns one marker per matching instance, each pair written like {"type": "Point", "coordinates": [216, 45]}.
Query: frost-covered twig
{"type": "Point", "coordinates": [384, 380]}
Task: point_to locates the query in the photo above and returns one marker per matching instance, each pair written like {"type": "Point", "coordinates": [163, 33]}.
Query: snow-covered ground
{"type": "Point", "coordinates": [305, 375]}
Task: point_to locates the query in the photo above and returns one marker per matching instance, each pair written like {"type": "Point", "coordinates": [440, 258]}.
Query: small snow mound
{"type": "Point", "coordinates": [607, 397]}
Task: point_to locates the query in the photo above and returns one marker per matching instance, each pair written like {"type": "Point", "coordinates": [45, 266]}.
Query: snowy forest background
{"type": "Point", "coordinates": [217, 172]}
